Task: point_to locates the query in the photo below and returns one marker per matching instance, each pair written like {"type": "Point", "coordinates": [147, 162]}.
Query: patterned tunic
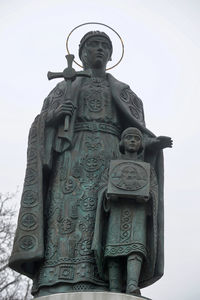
{"type": "Point", "coordinates": [76, 178]}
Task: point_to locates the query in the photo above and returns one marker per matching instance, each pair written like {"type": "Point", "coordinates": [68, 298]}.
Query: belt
{"type": "Point", "coordinates": [96, 126]}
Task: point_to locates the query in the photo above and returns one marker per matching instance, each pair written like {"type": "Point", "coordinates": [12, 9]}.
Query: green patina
{"type": "Point", "coordinates": [66, 238]}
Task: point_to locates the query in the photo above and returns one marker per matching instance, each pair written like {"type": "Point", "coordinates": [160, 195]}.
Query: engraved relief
{"type": "Point", "coordinates": [66, 225]}
{"type": "Point", "coordinates": [94, 101]}
{"type": "Point", "coordinates": [31, 175]}
{"type": "Point", "coordinates": [66, 272]}
{"type": "Point", "coordinates": [29, 198]}
{"type": "Point", "coordinates": [28, 221]}
{"type": "Point", "coordinates": [129, 176]}
{"type": "Point", "coordinates": [92, 163]}
{"type": "Point", "coordinates": [27, 242]}
{"type": "Point", "coordinates": [125, 228]}
{"type": "Point", "coordinates": [69, 185]}
{"type": "Point", "coordinates": [88, 203]}
{"type": "Point", "coordinates": [32, 154]}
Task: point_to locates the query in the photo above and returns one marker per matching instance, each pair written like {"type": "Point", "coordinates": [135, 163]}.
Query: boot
{"type": "Point", "coordinates": [115, 278]}
{"type": "Point", "coordinates": [134, 263]}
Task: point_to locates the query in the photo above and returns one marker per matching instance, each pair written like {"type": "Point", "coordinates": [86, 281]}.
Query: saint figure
{"type": "Point", "coordinates": [67, 171]}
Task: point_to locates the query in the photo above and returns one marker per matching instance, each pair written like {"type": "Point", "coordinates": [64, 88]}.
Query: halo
{"type": "Point", "coordinates": [96, 23]}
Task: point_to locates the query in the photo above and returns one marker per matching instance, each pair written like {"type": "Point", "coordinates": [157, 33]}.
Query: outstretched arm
{"type": "Point", "coordinates": [160, 142]}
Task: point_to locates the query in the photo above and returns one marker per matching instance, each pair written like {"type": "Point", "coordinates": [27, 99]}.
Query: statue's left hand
{"type": "Point", "coordinates": [162, 142]}
{"type": "Point", "coordinates": [159, 143]}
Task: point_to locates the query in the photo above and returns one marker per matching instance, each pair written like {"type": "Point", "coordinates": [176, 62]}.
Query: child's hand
{"type": "Point", "coordinates": [160, 142]}
{"type": "Point", "coordinates": [164, 142]}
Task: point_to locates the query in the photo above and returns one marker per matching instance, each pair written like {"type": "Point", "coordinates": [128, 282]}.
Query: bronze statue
{"type": "Point", "coordinates": [132, 197]}
{"type": "Point", "coordinates": [60, 235]}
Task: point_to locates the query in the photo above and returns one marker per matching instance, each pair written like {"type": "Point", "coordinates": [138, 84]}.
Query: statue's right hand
{"type": "Point", "coordinates": [64, 109]}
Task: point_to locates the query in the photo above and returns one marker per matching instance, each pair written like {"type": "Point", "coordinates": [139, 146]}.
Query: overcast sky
{"type": "Point", "coordinates": [162, 66]}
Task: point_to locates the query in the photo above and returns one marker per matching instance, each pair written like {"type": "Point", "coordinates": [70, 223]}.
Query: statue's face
{"type": "Point", "coordinates": [132, 142]}
{"type": "Point", "coordinates": [129, 174]}
{"type": "Point", "coordinates": [97, 51]}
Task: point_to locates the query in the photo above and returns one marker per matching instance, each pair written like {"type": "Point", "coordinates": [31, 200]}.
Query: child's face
{"type": "Point", "coordinates": [132, 142]}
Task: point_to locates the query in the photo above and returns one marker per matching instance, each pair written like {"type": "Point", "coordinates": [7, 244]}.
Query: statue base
{"type": "Point", "coordinates": [91, 296]}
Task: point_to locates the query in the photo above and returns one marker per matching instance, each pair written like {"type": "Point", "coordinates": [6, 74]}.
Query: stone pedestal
{"type": "Point", "coordinates": [91, 296]}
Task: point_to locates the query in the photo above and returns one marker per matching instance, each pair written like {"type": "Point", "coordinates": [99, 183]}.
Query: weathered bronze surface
{"type": "Point", "coordinates": [131, 198]}
{"type": "Point", "coordinates": [70, 236]}
{"type": "Point", "coordinates": [128, 179]}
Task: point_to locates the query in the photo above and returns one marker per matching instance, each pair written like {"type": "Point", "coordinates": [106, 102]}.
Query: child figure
{"type": "Point", "coordinates": [126, 237]}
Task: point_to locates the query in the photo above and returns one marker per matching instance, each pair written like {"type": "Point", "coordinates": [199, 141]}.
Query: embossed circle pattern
{"type": "Point", "coordinates": [129, 176]}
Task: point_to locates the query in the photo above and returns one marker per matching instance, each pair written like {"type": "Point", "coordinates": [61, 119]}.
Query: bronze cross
{"type": "Point", "coordinates": [69, 74]}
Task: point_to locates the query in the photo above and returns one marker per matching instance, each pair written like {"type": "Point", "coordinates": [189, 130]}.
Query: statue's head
{"type": "Point", "coordinates": [131, 140]}
{"type": "Point", "coordinates": [95, 49]}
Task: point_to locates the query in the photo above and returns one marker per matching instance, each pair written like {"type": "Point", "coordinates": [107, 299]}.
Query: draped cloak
{"type": "Point", "coordinates": [28, 247]}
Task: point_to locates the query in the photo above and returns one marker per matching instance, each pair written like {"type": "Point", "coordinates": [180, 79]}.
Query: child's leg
{"type": "Point", "coordinates": [134, 263]}
{"type": "Point", "coordinates": [115, 278]}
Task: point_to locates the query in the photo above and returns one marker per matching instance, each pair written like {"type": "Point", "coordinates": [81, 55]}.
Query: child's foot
{"type": "Point", "coordinates": [133, 289]}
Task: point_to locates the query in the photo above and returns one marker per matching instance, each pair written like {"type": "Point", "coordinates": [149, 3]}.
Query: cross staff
{"type": "Point", "coordinates": [69, 74]}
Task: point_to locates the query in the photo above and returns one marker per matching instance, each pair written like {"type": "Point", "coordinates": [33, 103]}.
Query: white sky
{"type": "Point", "coordinates": [162, 66]}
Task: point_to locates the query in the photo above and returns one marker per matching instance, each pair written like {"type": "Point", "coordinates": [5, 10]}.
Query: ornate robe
{"type": "Point", "coordinates": [59, 233]}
